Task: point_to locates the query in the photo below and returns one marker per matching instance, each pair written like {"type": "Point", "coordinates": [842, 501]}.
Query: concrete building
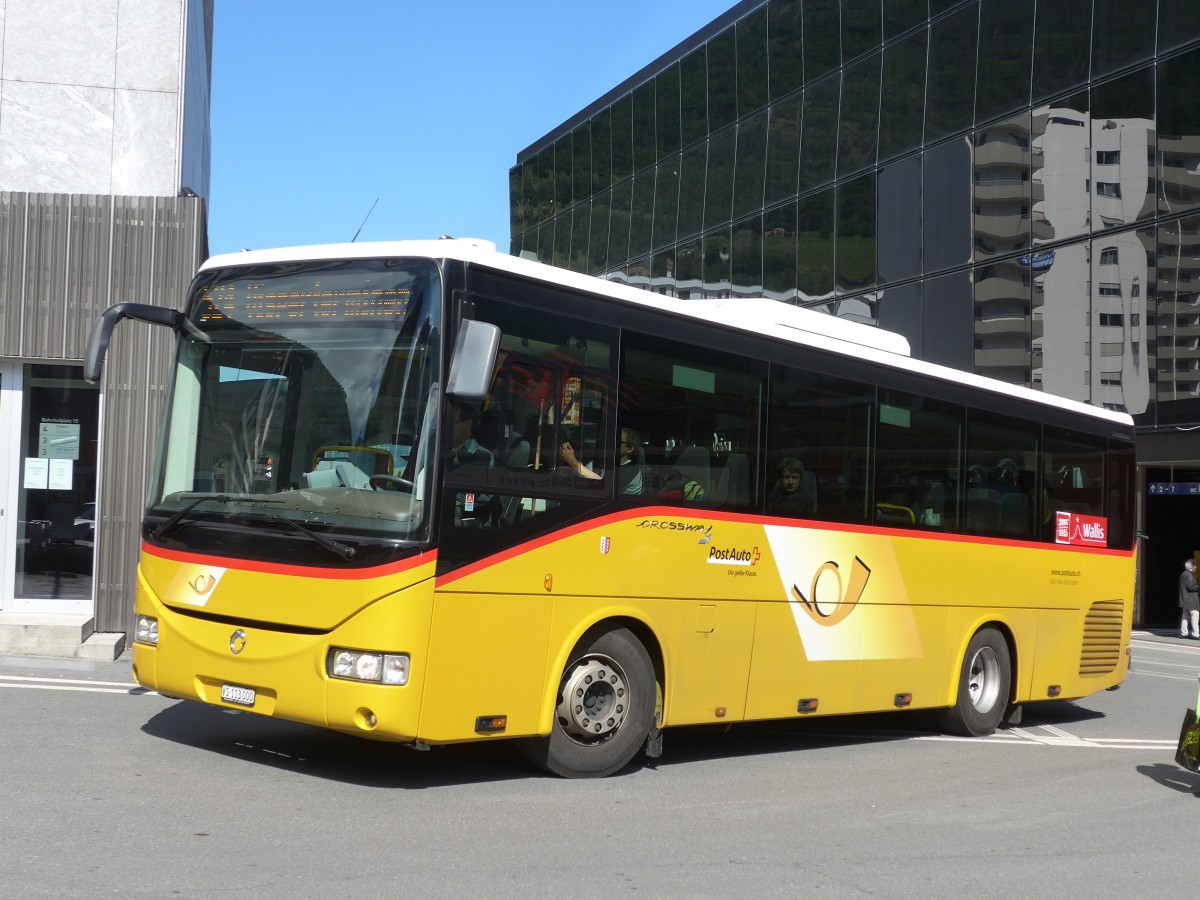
{"type": "Point", "coordinates": [1014, 185]}
{"type": "Point", "coordinates": [104, 174]}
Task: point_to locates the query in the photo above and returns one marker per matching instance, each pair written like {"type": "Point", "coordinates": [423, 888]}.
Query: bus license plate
{"type": "Point", "coordinates": [242, 696]}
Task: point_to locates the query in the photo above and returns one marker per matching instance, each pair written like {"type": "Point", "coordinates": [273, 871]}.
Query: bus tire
{"type": "Point", "coordinates": [983, 687]}
{"type": "Point", "coordinates": [604, 710]}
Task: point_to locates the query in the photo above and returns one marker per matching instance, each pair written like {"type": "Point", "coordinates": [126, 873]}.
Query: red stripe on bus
{"type": "Point", "coordinates": [690, 516]}
{"type": "Point", "coordinates": [265, 568]}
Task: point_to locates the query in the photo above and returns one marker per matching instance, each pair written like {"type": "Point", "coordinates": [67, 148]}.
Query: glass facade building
{"type": "Point", "coordinates": [1014, 185]}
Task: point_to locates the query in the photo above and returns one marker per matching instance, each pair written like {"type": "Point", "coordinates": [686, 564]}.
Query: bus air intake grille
{"type": "Point", "coordinates": [1101, 652]}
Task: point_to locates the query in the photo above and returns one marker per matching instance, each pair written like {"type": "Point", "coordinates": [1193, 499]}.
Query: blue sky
{"type": "Point", "coordinates": [320, 108]}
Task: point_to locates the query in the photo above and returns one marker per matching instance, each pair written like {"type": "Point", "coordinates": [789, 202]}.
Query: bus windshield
{"type": "Point", "coordinates": [305, 392]}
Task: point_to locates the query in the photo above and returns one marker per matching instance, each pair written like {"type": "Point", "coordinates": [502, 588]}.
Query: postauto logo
{"type": "Point", "coordinates": [733, 556]}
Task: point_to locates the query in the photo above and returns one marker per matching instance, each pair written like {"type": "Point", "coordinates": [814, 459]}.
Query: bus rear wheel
{"type": "Point", "coordinates": [604, 711]}
{"type": "Point", "coordinates": [983, 687]}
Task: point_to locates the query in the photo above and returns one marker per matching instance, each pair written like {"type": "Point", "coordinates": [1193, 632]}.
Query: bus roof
{"type": "Point", "coordinates": [756, 315]}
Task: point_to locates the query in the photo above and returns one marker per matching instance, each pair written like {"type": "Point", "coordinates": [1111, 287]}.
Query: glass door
{"type": "Point", "coordinates": [56, 451]}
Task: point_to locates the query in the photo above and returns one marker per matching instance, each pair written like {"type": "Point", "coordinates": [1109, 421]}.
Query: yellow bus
{"type": "Point", "coordinates": [428, 493]}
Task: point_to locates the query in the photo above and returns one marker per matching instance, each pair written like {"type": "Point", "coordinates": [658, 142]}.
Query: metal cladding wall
{"type": "Point", "coordinates": [64, 259]}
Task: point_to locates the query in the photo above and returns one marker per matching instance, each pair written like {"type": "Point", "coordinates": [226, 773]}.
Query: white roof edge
{"type": "Point", "coordinates": [754, 315]}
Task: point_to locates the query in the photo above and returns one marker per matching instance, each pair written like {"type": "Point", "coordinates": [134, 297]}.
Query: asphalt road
{"type": "Point", "coordinates": [109, 791]}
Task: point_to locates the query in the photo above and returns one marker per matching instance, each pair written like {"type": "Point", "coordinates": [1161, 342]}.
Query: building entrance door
{"type": "Point", "coordinates": [51, 426]}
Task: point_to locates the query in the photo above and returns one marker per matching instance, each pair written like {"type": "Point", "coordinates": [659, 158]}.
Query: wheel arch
{"type": "Point", "coordinates": [956, 660]}
{"type": "Point", "coordinates": [584, 634]}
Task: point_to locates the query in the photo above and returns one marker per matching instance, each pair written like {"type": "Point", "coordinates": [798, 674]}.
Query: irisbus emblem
{"type": "Point", "coordinates": [826, 602]}
{"type": "Point", "coordinates": [237, 642]}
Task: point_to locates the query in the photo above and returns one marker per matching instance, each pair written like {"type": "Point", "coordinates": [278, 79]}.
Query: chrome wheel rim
{"type": "Point", "coordinates": [594, 700]}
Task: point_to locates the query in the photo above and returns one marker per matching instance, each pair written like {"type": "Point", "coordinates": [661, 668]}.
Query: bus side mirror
{"type": "Point", "coordinates": [473, 360]}
{"type": "Point", "coordinates": [97, 347]}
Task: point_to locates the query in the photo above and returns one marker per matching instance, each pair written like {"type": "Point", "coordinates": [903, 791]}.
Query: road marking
{"type": "Point", "coordinates": [19, 682]}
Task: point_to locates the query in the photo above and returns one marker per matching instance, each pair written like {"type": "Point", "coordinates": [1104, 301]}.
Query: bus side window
{"type": "Point", "coordinates": [820, 428]}
{"type": "Point", "coordinates": [918, 458]}
{"type": "Point", "coordinates": [697, 412]}
{"type": "Point", "coordinates": [1002, 463]}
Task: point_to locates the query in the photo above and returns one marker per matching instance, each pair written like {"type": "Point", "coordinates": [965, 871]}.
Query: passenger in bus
{"type": "Point", "coordinates": [788, 496]}
{"type": "Point", "coordinates": [466, 450]}
{"type": "Point", "coordinates": [629, 471]}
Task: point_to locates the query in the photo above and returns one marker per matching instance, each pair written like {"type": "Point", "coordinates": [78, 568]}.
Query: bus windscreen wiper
{"type": "Point", "coordinates": [345, 551]}
{"type": "Point", "coordinates": [177, 521]}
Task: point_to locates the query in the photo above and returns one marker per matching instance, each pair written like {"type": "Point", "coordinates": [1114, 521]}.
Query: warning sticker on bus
{"type": "Point", "coordinates": [1080, 530]}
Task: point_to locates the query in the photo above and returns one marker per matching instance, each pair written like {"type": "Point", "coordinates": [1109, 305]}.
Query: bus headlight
{"type": "Point", "coordinates": [146, 631]}
{"type": "Point", "coordinates": [381, 668]}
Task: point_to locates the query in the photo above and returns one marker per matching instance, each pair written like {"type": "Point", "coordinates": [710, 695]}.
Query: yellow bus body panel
{"type": "Point", "coordinates": [744, 619]}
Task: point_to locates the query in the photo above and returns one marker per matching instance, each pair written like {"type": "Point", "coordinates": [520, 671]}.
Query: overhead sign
{"type": "Point", "coordinates": [1175, 488]}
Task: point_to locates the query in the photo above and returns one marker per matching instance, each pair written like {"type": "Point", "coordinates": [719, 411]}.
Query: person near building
{"type": "Point", "coordinates": [1189, 602]}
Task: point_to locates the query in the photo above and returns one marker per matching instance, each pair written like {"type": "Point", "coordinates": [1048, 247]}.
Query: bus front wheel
{"type": "Point", "coordinates": [983, 687]}
{"type": "Point", "coordinates": [604, 710]}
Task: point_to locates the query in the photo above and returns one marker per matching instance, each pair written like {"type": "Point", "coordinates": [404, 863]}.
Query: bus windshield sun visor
{"type": "Point", "coordinates": [98, 341]}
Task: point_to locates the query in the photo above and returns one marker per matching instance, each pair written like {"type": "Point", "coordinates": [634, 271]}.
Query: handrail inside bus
{"type": "Point", "coordinates": [97, 347]}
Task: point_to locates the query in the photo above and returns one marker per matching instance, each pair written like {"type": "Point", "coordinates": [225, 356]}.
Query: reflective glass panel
{"type": "Point", "coordinates": [751, 163]}
{"type": "Point", "coordinates": [618, 228]}
{"type": "Point", "coordinates": [1177, 23]}
{"type": "Point", "coordinates": [718, 195]}
{"type": "Point", "coordinates": [545, 180]}
{"type": "Point", "coordinates": [666, 109]}
{"type": "Point", "coordinates": [562, 240]}
{"type": "Point", "coordinates": [747, 266]}
{"type": "Point", "coordinates": [1061, 39]}
{"type": "Point", "coordinates": [581, 163]}
{"type": "Point", "coordinates": [751, 37]}
{"type": "Point", "coordinates": [1002, 320]}
{"type": "Point", "coordinates": [785, 46]}
{"type": "Point", "coordinates": [783, 150]}
{"type": "Point", "coordinates": [644, 136]}
{"type": "Point", "coordinates": [1002, 189]}
{"type": "Point", "coordinates": [693, 96]}
{"type": "Point", "coordinates": [601, 126]}
{"type": "Point", "coordinates": [822, 38]}
{"type": "Point", "coordinates": [861, 22]}
{"type": "Point", "coordinates": [722, 80]}
{"type": "Point", "coordinates": [1061, 320]}
{"type": "Point", "coordinates": [902, 107]}
{"type": "Point", "coordinates": [1005, 57]}
{"type": "Point", "coordinates": [899, 218]}
{"type": "Point", "coordinates": [901, 15]}
{"type": "Point", "coordinates": [1123, 33]}
{"type": "Point", "coordinates": [581, 226]}
{"type": "Point", "coordinates": [1178, 320]}
{"type": "Point", "coordinates": [516, 202]}
{"type": "Point", "coordinates": [716, 263]}
{"type": "Point", "coordinates": [562, 173]}
{"type": "Point", "coordinates": [691, 191]}
{"type": "Point", "coordinates": [1179, 133]}
{"type": "Point", "coordinates": [1123, 271]}
{"type": "Point", "coordinates": [641, 218]}
{"type": "Point", "coordinates": [689, 269]}
{"type": "Point", "coordinates": [818, 144]}
{"type": "Point", "coordinates": [856, 226]}
{"type": "Point", "coordinates": [779, 253]}
{"type": "Point", "coordinates": [859, 131]}
{"type": "Point", "coordinates": [622, 138]}
{"type": "Point", "coordinates": [598, 244]}
{"type": "Point", "coordinates": [1123, 151]}
{"type": "Point", "coordinates": [950, 94]}
{"type": "Point", "coordinates": [947, 324]}
{"type": "Point", "coordinates": [946, 206]}
{"type": "Point", "coordinates": [1061, 172]}
{"type": "Point", "coordinates": [814, 268]}
{"type": "Point", "coordinates": [666, 202]}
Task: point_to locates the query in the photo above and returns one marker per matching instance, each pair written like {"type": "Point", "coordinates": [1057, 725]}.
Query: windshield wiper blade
{"type": "Point", "coordinates": [176, 521]}
{"type": "Point", "coordinates": [345, 551]}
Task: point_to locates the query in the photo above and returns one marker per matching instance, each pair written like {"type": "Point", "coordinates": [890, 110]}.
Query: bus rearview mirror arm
{"type": "Point", "coordinates": [97, 348]}
{"type": "Point", "coordinates": [473, 360]}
